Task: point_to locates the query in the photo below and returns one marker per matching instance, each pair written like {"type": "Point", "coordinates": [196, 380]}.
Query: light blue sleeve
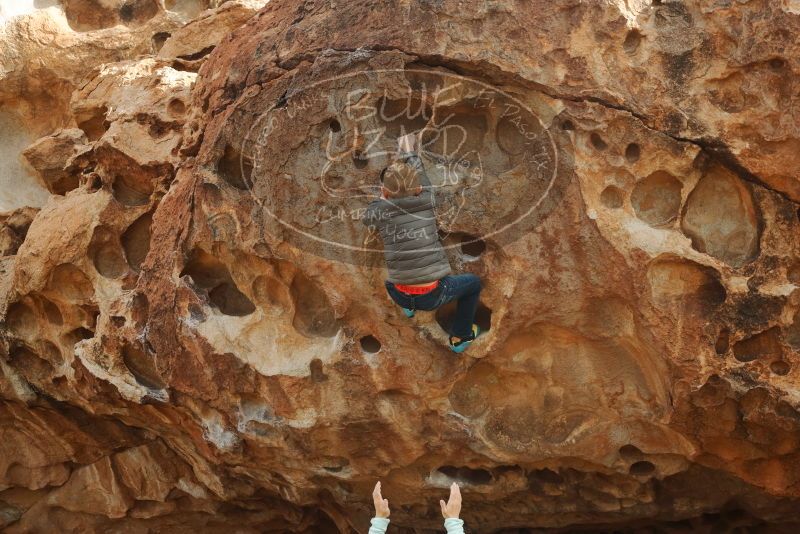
{"type": "Point", "coordinates": [379, 525]}
{"type": "Point", "coordinates": [454, 526]}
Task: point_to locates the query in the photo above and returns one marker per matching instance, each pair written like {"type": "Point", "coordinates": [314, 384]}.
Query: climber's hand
{"type": "Point", "coordinates": [453, 506]}
{"type": "Point", "coordinates": [381, 504]}
{"type": "Point", "coordinates": [407, 143]}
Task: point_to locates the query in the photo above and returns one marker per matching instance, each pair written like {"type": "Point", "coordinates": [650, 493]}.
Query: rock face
{"type": "Point", "coordinates": [196, 334]}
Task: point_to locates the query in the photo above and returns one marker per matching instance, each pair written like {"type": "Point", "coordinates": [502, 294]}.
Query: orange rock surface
{"type": "Point", "coordinates": [196, 335]}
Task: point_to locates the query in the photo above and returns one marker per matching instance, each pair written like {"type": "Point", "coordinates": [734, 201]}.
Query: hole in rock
{"type": "Point", "coordinates": [612, 197]}
{"type": "Point", "coordinates": [21, 320]}
{"type": "Point", "coordinates": [52, 312]}
{"type": "Point", "coordinates": [360, 160]}
{"type": "Point", "coordinates": [334, 464]}
{"type": "Point", "coordinates": [780, 367]}
{"type": "Point", "coordinates": [70, 283]}
{"type": "Point", "coordinates": [176, 107]}
{"type": "Point", "coordinates": [132, 190]}
{"type": "Point", "coordinates": [793, 274]}
{"type": "Point", "coordinates": [136, 241]}
{"type": "Point", "coordinates": [80, 334]}
{"type": "Point", "coordinates": [676, 279]}
{"type": "Point", "coordinates": [210, 274]}
{"type": "Point", "coordinates": [88, 15]}
{"type": "Point", "coordinates": [446, 314]}
{"type": "Point", "coordinates": [159, 39]}
{"type": "Point", "coordinates": [201, 54]}
{"type": "Point", "coordinates": [106, 253]}
{"type": "Point", "coordinates": [777, 63]}
{"type": "Point", "coordinates": [723, 342]}
{"type": "Point", "coordinates": [59, 381]}
{"type": "Point", "coordinates": [632, 153]}
{"type": "Point", "coordinates": [314, 315]}
{"type": "Point", "coordinates": [158, 128]}
{"type": "Point", "coordinates": [632, 41]}
{"type": "Point", "coordinates": [335, 126]}
{"type": "Point", "coordinates": [205, 270]}
{"type": "Point", "coordinates": [547, 476]}
{"type": "Point", "coordinates": [462, 129]}
{"type": "Point", "coordinates": [370, 344]}
{"type": "Point", "coordinates": [118, 321]}
{"type": "Point", "coordinates": [190, 66]}
{"type": "Point", "coordinates": [656, 199]}
{"type": "Point", "coordinates": [567, 126]}
{"type": "Point", "coordinates": [230, 300]}
{"type": "Point", "coordinates": [140, 308]}
{"type": "Point", "coordinates": [142, 367]}
{"type": "Point", "coordinates": [597, 142]}
{"type": "Point", "coordinates": [188, 8]}
{"type": "Point", "coordinates": [721, 218]}
{"type": "Point", "coordinates": [92, 315]}
{"type": "Point", "coordinates": [95, 183]}
{"type": "Point", "coordinates": [793, 332]}
{"type": "Point", "coordinates": [93, 123]}
{"type": "Point", "coordinates": [138, 11]}
{"type": "Point", "coordinates": [509, 137]}
{"type": "Point", "coordinates": [471, 246]}
{"type": "Point", "coordinates": [23, 358]}
{"type": "Point", "coordinates": [630, 452]}
{"type": "Point", "coordinates": [402, 116]}
{"type": "Point", "coordinates": [315, 370]}
{"type": "Point", "coordinates": [466, 475]}
{"type": "Point", "coordinates": [642, 468]}
{"type": "Point", "coordinates": [767, 344]}
{"type": "Point", "coordinates": [235, 168]}
{"type": "Point", "coordinates": [501, 470]}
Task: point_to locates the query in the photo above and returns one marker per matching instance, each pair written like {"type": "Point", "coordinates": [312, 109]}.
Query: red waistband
{"type": "Point", "coordinates": [417, 290]}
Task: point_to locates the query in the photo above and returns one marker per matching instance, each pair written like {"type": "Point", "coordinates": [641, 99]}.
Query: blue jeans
{"type": "Point", "coordinates": [464, 287]}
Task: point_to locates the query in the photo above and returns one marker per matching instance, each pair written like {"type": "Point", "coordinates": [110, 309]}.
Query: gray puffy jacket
{"type": "Point", "coordinates": [410, 235]}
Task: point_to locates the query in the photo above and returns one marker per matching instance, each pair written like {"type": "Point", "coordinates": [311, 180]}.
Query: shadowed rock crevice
{"type": "Point", "coordinates": [132, 190]}
{"type": "Point", "coordinates": [136, 241]}
{"type": "Point", "coordinates": [88, 15]}
{"type": "Point", "coordinates": [107, 253]}
{"type": "Point", "coordinates": [466, 475]}
{"type": "Point", "coordinates": [314, 316]}
{"type": "Point", "coordinates": [675, 280]}
{"type": "Point", "coordinates": [142, 367]}
{"type": "Point", "coordinates": [765, 345]}
{"type": "Point", "coordinates": [93, 122]}
{"type": "Point", "coordinates": [213, 277]}
{"type": "Point", "coordinates": [445, 316]}
{"type": "Point", "coordinates": [235, 168]}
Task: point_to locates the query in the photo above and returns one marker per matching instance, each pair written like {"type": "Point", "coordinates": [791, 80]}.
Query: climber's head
{"type": "Point", "coordinates": [399, 180]}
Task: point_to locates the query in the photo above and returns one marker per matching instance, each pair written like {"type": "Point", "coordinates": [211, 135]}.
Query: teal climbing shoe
{"type": "Point", "coordinates": [409, 313]}
{"type": "Point", "coordinates": [462, 345]}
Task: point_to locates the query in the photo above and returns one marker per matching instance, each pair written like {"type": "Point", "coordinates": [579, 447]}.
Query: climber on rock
{"type": "Point", "coordinates": [450, 511]}
{"type": "Point", "coordinates": [419, 272]}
